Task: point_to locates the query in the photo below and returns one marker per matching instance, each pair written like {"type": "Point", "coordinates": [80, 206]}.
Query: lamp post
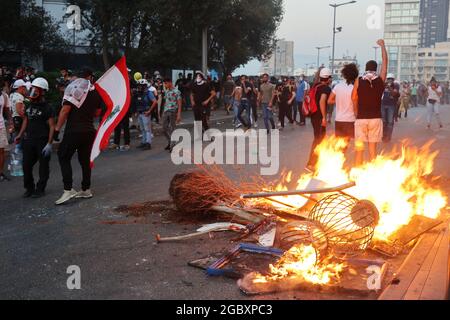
{"type": "Point", "coordinates": [318, 54]}
{"type": "Point", "coordinates": [335, 6]}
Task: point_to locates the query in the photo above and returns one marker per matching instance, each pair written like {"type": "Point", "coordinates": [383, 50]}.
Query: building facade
{"type": "Point", "coordinates": [401, 36]}
{"type": "Point", "coordinates": [340, 63]}
{"type": "Point", "coordinates": [281, 62]}
{"type": "Point", "coordinates": [434, 22]}
{"type": "Point", "coordinates": [434, 62]}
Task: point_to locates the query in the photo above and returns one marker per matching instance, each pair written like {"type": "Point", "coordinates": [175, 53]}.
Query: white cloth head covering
{"type": "Point", "coordinates": [77, 91]}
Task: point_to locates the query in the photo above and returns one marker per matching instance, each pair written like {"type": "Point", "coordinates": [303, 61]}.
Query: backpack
{"type": "Point", "coordinates": [310, 104]}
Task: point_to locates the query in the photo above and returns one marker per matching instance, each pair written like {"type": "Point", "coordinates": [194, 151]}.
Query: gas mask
{"type": "Point", "coordinates": [34, 94]}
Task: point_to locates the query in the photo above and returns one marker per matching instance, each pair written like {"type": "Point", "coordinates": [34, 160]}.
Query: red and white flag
{"type": "Point", "coordinates": [114, 88]}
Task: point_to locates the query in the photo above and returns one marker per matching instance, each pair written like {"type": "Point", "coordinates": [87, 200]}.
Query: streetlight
{"type": "Point", "coordinates": [335, 6]}
{"type": "Point", "coordinates": [318, 54]}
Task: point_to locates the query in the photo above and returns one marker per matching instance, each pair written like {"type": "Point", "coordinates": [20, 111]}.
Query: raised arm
{"type": "Point", "coordinates": [384, 66]}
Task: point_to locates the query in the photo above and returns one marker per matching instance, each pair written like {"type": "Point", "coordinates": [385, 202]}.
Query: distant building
{"type": "Point", "coordinates": [401, 35]}
{"type": "Point", "coordinates": [434, 62]}
{"type": "Point", "coordinates": [281, 62]}
{"type": "Point", "coordinates": [434, 22]}
{"type": "Point", "coordinates": [340, 63]}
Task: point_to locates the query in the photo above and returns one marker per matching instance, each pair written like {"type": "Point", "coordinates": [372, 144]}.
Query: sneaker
{"type": "Point", "coordinates": [4, 178]}
{"type": "Point", "coordinates": [142, 145]}
{"type": "Point", "coordinates": [38, 194]}
{"type": "Point", "coordinates": [84, 194]}
{"type": "Point", "coordinates": [28, 194]}
{"type": "Point", "coordinates": [302, 124]}
{"type": "Point", "coordinates": [125, 148]}
{"type": "Point", "coordinates": [147, 147]}
{"type": "Point", "coordinates": [238, 125]}
{"type": "Point", "coordinates": [255, 125]}
{"type": "Point", "coordinates": [169, 147]}
{"type": "Point", "coordinates": [67, 195]}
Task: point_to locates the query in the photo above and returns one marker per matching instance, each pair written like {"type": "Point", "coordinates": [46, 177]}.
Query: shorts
{"type": "Point", "coordinates": [3, 138]}
{"type": "Point", "coordinates": [345, 130]}
{"type": "Point", "coordinates": [369, 130]}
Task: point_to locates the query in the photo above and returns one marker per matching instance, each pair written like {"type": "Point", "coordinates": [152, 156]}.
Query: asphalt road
{"type": "Point", "coordinates": [117, 255]}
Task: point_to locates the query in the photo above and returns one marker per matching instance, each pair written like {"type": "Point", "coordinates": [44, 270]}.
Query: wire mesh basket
{"type": "Point", "coordinates": [348, 223]}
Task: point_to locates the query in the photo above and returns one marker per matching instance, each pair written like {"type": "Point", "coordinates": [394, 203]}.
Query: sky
{"type": "Point", "coordinates": [309, 23]}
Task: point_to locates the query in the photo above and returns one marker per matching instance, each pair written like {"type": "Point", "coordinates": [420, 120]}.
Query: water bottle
{"type": "Point", "coordinates": [15, 165]}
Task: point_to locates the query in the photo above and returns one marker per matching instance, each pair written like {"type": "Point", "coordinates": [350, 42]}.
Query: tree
{"type": "Point", "coordinates": [29, 29]}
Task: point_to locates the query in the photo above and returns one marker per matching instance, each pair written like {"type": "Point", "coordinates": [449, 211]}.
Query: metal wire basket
{"type": "Point", "coordinates": [348, 223]}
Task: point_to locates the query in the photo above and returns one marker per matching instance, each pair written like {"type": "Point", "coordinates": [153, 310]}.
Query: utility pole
{"type": "Point", "coordinates": [318, 54]}
{"type": "Point", "coordinates": [205, 50]}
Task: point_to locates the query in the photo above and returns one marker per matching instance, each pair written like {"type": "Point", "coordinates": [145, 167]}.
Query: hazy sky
{"type": "Point", "coordinates": [309, 23]}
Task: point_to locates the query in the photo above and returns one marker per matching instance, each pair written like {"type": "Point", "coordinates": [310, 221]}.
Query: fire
{"type": "Point", "coordinates": [393, 182]}
{"type": "Point", "coordinates": [301, 263]}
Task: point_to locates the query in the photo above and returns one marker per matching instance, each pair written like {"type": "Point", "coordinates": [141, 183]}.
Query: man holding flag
{"type": "Point", "coordinates": [80, 106]}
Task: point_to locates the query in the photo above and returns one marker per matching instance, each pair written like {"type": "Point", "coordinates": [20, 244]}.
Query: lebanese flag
{"type": "Point", "coordinates": [114, 88]}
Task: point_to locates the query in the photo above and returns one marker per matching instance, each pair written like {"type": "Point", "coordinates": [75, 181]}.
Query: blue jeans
{"type": "Point", "coordinates": [236, 105]}
{"type": "Point", "coordinates": [268, 116]}
{"type": "Point", "coordinates": [244, 106]}
{"type": "Point", "coordinates": [146, 128]}
{"type": "Point", "coordinates": [388, 114]}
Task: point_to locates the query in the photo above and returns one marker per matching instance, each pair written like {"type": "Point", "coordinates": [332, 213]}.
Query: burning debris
{"type": "Point", "coordinates": [371, 204]}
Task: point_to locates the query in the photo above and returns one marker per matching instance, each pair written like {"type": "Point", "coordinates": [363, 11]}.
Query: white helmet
{"type": "Point", "coordinates": [325, 73]}
{"type": "Point", "coordinates": [390, 76]}
{"type": "Point", "coordinates": [40, 83]}
{"type": "Point", "coordinates": [19, 83]}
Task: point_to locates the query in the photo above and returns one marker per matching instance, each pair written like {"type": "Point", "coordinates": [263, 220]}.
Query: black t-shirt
{"type": "Point", "coordinates": [322, 89]}
{"type": "Point", "coordinates": [201, 93]}
{"type": "Point", "coordinates": [81, 119]}
{"type": "Point", "coordinates": [369, 98]}
{"type": "Point", "coordinates": [38, 115]}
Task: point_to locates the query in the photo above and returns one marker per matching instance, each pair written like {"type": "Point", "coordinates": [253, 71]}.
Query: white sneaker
{"type": "Point", "coordinates": [84, 195]}
{"type": "Point", "coordinates": [67, 195]}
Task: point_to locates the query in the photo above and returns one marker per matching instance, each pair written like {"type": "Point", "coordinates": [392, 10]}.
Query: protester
{"type": "Point", "coordinates": [253, 100]}
{"type": "Point", "coordinates": [302, 92]}
{"type": "Point", "coordinates": [81, 104]}
{"type": "Point", "coordinates": [317, 101]}
{"type": "Point", "coordinates": [266, 97]}
{"type": "Point", "coordinates": [187, 92]}
{"type": "Point", "coordinates": [414, 92]}
{"type": "Point", "coordinates": [201, 97]}
{"type": "Point", "coordinates": [227, 91]}
{"type": "Point", "coordinates": [286, 98]}
{"type": "Point", "coordinates": [294, 109]}
{"type": "Point", "coordinates": [245, 103]}
{"type": "Point", "coordinates": [4, 109]}
{"type": "Point", "coordinates": [37, 132]}
{"type": "Point", "coordinates": [17, 99]}
{"type": "Point", "coordinates": [389, 107]}
{"type": "Point", "coordinates": [405, 100]}
{"type": "Point", "coordinates": [367, 98]}
{"type": "Point", "coordinates": [434, 96]}
{"type": "Point", "coordinates": [341, 96]}
{"type": "Point", "coordinates": [172, 111]}
{"type": "Point", "coordinates": [236, 98]}
{"type": "Point", "coordinates": [124, 126]}
{"type": "Point", "coordinates": [145, 103]}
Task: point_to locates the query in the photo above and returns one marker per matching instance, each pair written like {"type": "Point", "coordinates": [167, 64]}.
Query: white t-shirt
{"type": "Point", "coordinates": [432, 95]}
{"type": "Point", "coordinates": [4, 102]}
{"type": "Point", "coordinates": [344, 103]}
{"type": "Point", "coordinates": [15, 98]}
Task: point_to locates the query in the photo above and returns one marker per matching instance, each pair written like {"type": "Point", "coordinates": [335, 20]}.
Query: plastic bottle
{"type": "Point", "coordinates": [15, 165]}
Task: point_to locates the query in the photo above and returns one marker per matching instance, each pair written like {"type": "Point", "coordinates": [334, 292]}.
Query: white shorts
{"type": "Point", "coordinates": [3, 137]}
{"type": "Point", "coordinates": [369, 130]}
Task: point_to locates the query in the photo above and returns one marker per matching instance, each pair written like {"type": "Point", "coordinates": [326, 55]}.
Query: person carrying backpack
{"type": "Point", "coordinates": [316, 107]}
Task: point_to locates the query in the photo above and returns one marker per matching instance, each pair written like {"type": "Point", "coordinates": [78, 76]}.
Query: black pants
{"type": "Point", "coordinates": [300, 110]}
{"type": "Point", "coordinates": [285, 111]}
{"type": "Point", "coordinates": [32, 153]}
{"type": "Point", "coordinates": [125, 125]}
{"type": "Point", "coordinates": [201, 114]}
{"type": "Point", "coordinates": [320, 133]}
{"type": "Point", "coordinates": [254, 106]}
{"type": "Point", "coordinates": [82, 144]}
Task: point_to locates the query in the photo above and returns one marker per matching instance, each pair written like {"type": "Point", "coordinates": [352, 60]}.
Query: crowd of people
{"type": "Point", "coordinates": [366, 108]}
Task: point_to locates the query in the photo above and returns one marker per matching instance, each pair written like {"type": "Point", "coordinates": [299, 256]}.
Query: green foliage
{"type": "Point", "coordinates": [26, 27]}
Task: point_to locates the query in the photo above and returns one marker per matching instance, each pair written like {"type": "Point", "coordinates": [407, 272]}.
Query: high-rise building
{"type": "Point", "coordinates": [281, 62]}
{"type": "Point", "coordinates": [401, 36]}
{"type": "Point", "coordinates": [434, 22]}
{"type": "Point", "coordinates": [434, 62]}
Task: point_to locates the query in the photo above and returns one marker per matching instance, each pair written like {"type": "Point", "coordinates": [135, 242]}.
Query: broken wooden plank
{"type": "Point", "coordinates": [416, 287]}
{"type": "Point", "coordinates": [436, 286]}
{"type": "Point", "coordinates": [410, 267]}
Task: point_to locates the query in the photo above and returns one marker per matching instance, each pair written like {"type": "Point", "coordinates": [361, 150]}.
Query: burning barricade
{"type": "Point", "coordinates": [335, 216]}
